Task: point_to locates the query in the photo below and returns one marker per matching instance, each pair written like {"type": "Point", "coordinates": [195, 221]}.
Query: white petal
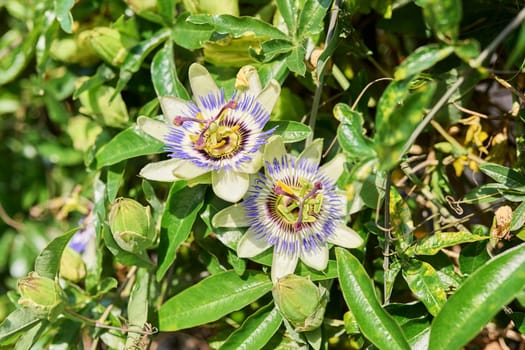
{"type": "Point", "coordinates": [269, 95]}
{"type": "Point", "coordinates": [160, 171]}
{"type": "Point", "coordinates": [232, 216]}
{"type": "Point", "coordinates": [185, 169]}
{"type": "Point", "coordinates": [172, 107]}
{"type": "Point", "coordinates": [283, 264]}
{"type": "Point", "coordinates": [274, 149]}
{"type": "Point", "coordinates": [205, 179]}
{"type": "Point", "coordinates": [253, 165]}
{"type": "Point", "coordinates": [153, 127]}
{"type": "Point", "coordinates": [230, 185]}
{"type": "Point", "coordinates": [316, 258]}
{"type": "Point", "coordinates": [313, 151]}
{"type": "Point", "coordinates": [249, 245]}
{"type": "Point", "coordinates": [248, 80]}
{"type": "Point", "coordinates": [201, 81]}
{"type": "Point", "coordinates": [344, 236]}
{"type": "Point", "coordinates": [334, 168]}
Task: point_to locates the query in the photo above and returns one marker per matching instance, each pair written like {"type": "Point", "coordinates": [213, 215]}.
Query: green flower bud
{"type": "Point", "coordinates": [108, 43]}
{"type": "Point", "coordinates": [232, 51]}
{"type": "Point", "coordinates": [72, 266]}
{"type": "Point", "coordinates": [42, 294]}
{"type": "Point", "coordinates": [300, 301]}
{"type": "Point", "coordinates": [131, 225]}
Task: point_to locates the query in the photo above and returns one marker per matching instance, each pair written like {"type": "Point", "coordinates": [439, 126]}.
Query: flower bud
{"type": "Point", "coordinates": [300, 301]}
{"type": "Point", "coordinates": [72, 266]}
{"type": "Point", "coordinates": [131, 225]}
{"type": "Point", "coordinates": [232, 51]}
{"type": "Point", "coordinates": [108, 43]}
{"type": "Point", "coordinates": [42, 294]}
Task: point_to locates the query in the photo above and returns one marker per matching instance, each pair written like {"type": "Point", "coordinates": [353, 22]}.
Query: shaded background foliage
{"type": "Point", "coordinates": [75, 76]}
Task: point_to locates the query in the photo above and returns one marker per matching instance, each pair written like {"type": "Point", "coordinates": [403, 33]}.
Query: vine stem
{"type": "Point", "coordinates": [475, 64]}
{"type": "Point", "coordinates": [318, 89]}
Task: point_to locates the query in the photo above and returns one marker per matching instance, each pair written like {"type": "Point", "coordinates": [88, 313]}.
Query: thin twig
{"type": "Point", "coordinates": [10, 222]}
{"type": "Point", "coordinates": [494, 44]}
{"type": "Point", "coordinates": [469, 111]}
{"type": "Point", "coordinates": [319, 87]}
{"type": "Point", "coordinates": [388, 238]}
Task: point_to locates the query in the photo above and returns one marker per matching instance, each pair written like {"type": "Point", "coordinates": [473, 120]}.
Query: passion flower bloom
{"type": "Point", "coordinates": [295, 207]}
{"type": "Point", "coordinates": [213, 139]}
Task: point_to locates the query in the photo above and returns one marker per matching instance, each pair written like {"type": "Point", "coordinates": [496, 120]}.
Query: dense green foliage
{"type": "Point", "coordinates": [420, 101]}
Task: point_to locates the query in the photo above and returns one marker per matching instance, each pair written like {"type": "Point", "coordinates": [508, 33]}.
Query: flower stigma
{"type": "Point", "coordinates": [298, 204]}
{"type": "Point", "coordinates": [216, 138]}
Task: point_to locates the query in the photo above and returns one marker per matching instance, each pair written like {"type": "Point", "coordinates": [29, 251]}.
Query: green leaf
{"type": "Point", "coordinates": [431, 245]}
{"type": "Point", "coordinates": [295, 60]}
{"type": "Point", "coordinates": [390, 277]}
{"type": "Point", "coordinates": [290, 131]}
{"type": "Point", "coordinates": [19, 51]}
{"type": "Point", "coordinates": [129, 143]}
{"type": "Point", "coordinates": [274, 47]}
{"type": "Point", "coordinates": [472, 257]}
{"type": "Point", "coordinates": [443, 17]}
{"type": "Point", "coordinates": [30, 336]}
{"type": "Point", "coordinates": [518, 217]}
{"type": "Point", "coordinates": [256, 331]}
{"type": "Point", "coordinates": [467, 49]}
{"type": "Point", "coordinates": [288, 12]}
{"type": "Point", "coordinates": [47, 263]}
{"type": "Point", "coordinates": [398, 119]}
{"type": "Point", "coordinates": [478, 299]}
{"type": "Point", "coordinates": [103, 74]}
{"type": "Point", "coordinates": [237, 26]}
{"type": "Point", "coordinates": [138, 306]}
{"type": "Point", "coordinates": [212, 298]}
{"type": "Point", "coordinates": [424, 282]}
{"type": "Point", "coordinates": [136, 55]}
{"type": "Point", "coordinates": [182, 207]}
{"type": "Point", "coordinates": [421, 59]}
{"type": "Point", "coordinates": [358, 291]}
{"type": "Point", "coordinates": [401, 219]}
{"type": "Point", "coordinates": [351, 134]}
{"type": "Point", "coordinates": [311, 18]}
{"type": "Point", "coordinates": [115, 178]}
{"type": "Point", "coordinates": [164, 74]}
{"type": "Point", "coordinates": [189, 35]}
{"type": "Point", "coordinates": [503, 175]}
{"type": "Point", "coordinates": [167, 10]}
{"type": "Point", "coordinates": [16, 323]}
{"type": "Point", "coordinates": [63, 14]}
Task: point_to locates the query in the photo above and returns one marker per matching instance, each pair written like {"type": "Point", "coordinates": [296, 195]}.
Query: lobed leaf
{"type": "Point", "coordinates": [237, 26]}
{"type": "Point", "coordinates": [358, 291]}
{"type": "Point", "coordinates": [479, 299]}
{"type": "Point", "coordinates": [311, 17]}
{"type": "Point", "coordinates": [295, 60]}
{"type": "Point", "coordinates": [212, 298]}
{"type": "Point", "coordinates": [288, 12]}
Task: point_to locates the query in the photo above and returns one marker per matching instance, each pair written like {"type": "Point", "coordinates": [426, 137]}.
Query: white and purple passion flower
{"type": "Point", "coordinates": [294, 207]}
{"type": "Point", "coordinates": [213, 139]}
